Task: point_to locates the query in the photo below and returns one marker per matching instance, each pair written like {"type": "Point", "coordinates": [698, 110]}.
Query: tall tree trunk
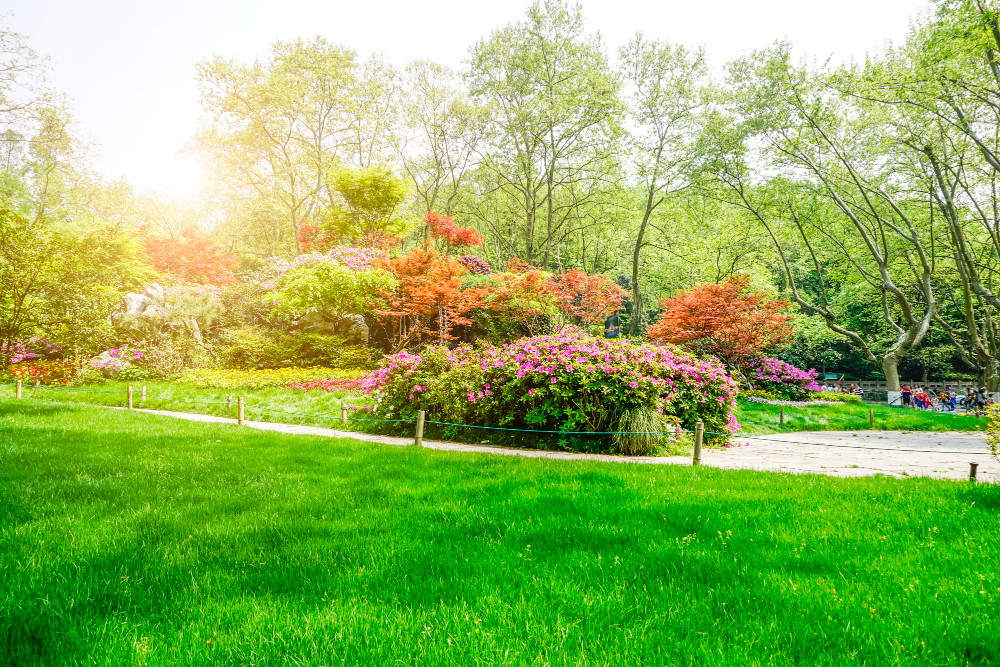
{"type": "Point", "coordinates": [890, 366]}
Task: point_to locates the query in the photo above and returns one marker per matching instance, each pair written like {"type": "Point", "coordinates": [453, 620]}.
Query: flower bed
{"type": "Point", "coordinates": [261, 378]}
{"type": "Point", "coordinates": [45, 371]}
{"type": "Point", "coordinates": [568, 382]}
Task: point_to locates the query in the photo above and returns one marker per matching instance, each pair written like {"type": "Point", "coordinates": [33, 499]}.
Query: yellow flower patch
{"type": "Point", "coordinates": [230, 378]}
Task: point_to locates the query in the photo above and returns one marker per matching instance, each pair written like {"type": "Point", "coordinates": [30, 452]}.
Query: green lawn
{"type": "Point", "coordinates": [322, 408]}
{"type": "Point", "coordinates": [761, 419]}
{"type": "Point", "coordinates": [128, 538]}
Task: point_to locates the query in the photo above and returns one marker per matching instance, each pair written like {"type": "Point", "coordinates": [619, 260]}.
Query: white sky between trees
{"type": "Point", "coordinates": [128, 65]}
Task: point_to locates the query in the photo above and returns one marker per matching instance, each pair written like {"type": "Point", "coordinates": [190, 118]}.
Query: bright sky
{"type": "Point", "coordinates": [129, 64]}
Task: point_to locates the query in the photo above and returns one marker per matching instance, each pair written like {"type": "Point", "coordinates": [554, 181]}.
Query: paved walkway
{"type": "Point", "coordinates": [837, 453]}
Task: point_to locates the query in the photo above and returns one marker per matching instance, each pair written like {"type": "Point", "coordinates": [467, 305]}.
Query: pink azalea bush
{"type": "Point", "coordinates": [356, 259]}
{"type": "Point", "coordinates": [567, 382]}
{"type": "Point", "coordinates": [782, 378]}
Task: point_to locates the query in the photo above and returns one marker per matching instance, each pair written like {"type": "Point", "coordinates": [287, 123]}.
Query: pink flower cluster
{"type": "Point", "coordinates": [20, 351]}
{"type": "Point", "coordinates": [343, 384]}
{"type": "Point", "coordinates": [565, 380]}
{"type": "Point", "coordinates": [777, 375]}
{"type": "Point", "coordinates": [356, 259]}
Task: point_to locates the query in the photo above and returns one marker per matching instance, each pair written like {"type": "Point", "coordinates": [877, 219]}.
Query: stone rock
{"type": "Point", "coordinates": [193, 328]}
{"type": "Point", "coordinates": [108, 365]}
{"type": "Point", "coordinates": [155, 292]}
{"type": "Point", "coordinates": [352, 327]}
{"type": "Point", "coordinates": [356, 329]}
{"type": "Point", "coordinates": [150, 311]}
{"type": "Point", "coordinates": [135, 303]}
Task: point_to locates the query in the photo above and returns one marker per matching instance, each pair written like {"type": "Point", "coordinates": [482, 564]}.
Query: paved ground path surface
{"type": "Point", "coordinates": [836, 453]}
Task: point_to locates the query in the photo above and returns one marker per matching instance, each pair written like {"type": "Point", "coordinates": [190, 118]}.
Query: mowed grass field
{"type": "Point", "coordinates": [132, 539]}
{"type": "Point", "coordinates": [322, 408]}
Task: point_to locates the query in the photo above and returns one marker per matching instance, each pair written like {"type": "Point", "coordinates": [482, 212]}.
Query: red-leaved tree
{"type": "Point", "coordinates": [453, 236]}
{"type": "Point", "coordinates": [191, 257]}
{"type": "Point", "coordinates": [429, 292]}
{"type": "Point", "coordinates": [588, 298]}
{"type": "Point", "coordinates": [728, 321]}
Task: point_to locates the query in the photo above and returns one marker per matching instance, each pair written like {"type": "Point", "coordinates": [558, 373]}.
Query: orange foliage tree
{"type": "Point", "coordinates": [588, 298]}
{"type": "Point", "coordinates": [451, 234]}
{"type": "Point", "coordinates": [191, 256]}
{"type": "Point", "coordinates": [429, 292]}
{"type": "Point", "coordinates": [728, 321]}
{"type": "Point", "coordinates": [527, 295]}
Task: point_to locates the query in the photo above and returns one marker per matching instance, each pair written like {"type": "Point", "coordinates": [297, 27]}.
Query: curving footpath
{"type": "Point", "coordinates": [837, 453]}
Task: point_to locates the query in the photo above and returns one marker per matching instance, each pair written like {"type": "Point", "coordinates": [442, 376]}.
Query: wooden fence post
{"type": "Point", "coordinates": [343, 413]}
{"type": "Point", "coordinates": [38, 383]}
{"type": "Point", "coordinates": [130, 397]}
{"type": "Point", "coordinates": [142, 397]}
{"type": "Point", "coordinates": [781, 415]}
{"type": "Point", "coordinates": [699, 435]}
{"type": "Point", "coordinates": [418, 440]}
{"type": "Point", "coordinates": [229, 402]}
{"type": "Point", "coordinates": [871, 418]}
{"type": "Point", "coordinates": [17, 390]}
{"type": "Point", "coordinates": [239, 407]}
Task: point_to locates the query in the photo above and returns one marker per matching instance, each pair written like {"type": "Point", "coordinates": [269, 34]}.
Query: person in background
{"type": "Point", "coordinates": [920, 398]}
{"type": "Point", "coordinates": [858, 391]}
{"type": "Point", "coordinates": [950, 397]}
{"type": "Point", "coordinates": [906, 395]}
{"type": "Point", "coordinates": [824, 387]}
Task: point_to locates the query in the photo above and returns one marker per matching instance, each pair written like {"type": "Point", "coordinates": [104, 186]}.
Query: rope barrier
{"type": "Point", "coordinates": [531, 430]}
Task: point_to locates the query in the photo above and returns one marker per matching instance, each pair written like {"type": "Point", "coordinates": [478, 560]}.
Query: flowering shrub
{"type": "Point", "coordinates": [355, 259]}
{"type": "Point", "coordinates": [567, 382]}
{"type": "Point", "coordinates": [475, 265]}
{"type": "Point", "coordinates": [260, 378]}
{"type": "Point", "coordinates": [774, 375]}
{"type": "Point", "coordinates": [19, 351]}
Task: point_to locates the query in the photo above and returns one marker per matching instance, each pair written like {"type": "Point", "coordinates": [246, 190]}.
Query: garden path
{"type": "Point", "coordinates": [836, 453]}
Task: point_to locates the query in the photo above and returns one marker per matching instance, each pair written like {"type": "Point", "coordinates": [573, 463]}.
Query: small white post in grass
{"type": "Point", "coordinates": [343, 413]}
{"type": "Point", "coordinates": [130, 397]}
{"type": "Point", "coordinates": [142, 397]}
{"type": "Point", "coordinates": [239, 408]}
{"type": "Point", "coordinates": [17, 390]}
{"type": "Point", "coordinates": [229, 402]}
{"type": "Point", "coordinates": [699, 435]}
{"type": "Point", "coordinates": [419, 439]}
{"type": "Point", "coordinates": [38, 383]}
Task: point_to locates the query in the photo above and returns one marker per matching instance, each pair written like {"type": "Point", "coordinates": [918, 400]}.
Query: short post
{"type": "Point", "coordinates": [229, 402]}
{"type": "Point", "coordinates": [871, 418]}
{"type": "Point", "coordinates": [142, 397]}
{"type": "Point", "coordinates": [239, 408]}
{"type": "Point", "coordinates": [130, 397]}
{"type": "Point", "coordinates": [419, 439]}
{"type": "Point", "coordinates": [38, 383]}
{"type": "Point", "coordinates": [699, 435]}
{"type": "Point", "coordinates": [781, 415]}
{"type": "Point", "coordinates": [17, 390]}
{"type": "Point", "coordinates": [343, 413]}
{"type": "Point", "coordinates": [973, 467]}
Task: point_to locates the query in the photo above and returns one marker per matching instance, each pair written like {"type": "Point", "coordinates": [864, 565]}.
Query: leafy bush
{"type": "Point", "coordinates": [781, 378]}
{"type": "Point", "coordinates": [567, 382]}
{"type": "Point", "coordinates": [258, 379]}
{"type": "Point", "coordinates": [257, 347]}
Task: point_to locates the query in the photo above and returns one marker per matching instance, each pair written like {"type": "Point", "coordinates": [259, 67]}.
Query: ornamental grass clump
{"type": "Point", "coordinates": [571, 382]}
